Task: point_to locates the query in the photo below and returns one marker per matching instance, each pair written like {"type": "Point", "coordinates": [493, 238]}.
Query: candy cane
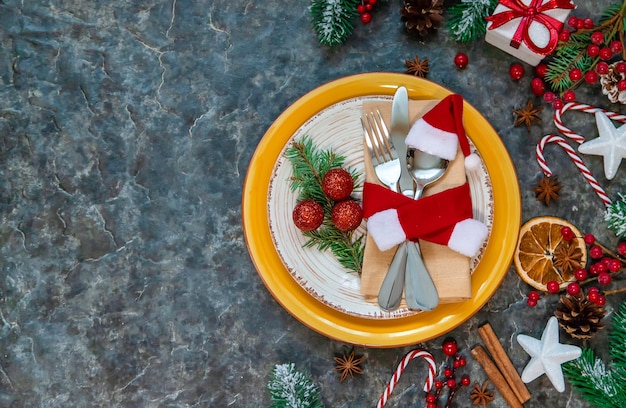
{"type": "Point", "coordinates": [558, 122]}
{"type": "Point", "coordinates": [577, 161]}
{"type": "Point", "coordinates": [400, 369]}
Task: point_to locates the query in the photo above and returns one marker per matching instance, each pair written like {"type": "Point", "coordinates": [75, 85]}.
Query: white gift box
{"type": "Point", "coordinates": [536, 28]}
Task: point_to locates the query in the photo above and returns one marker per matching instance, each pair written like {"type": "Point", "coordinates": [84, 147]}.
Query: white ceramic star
{"type": "Point", "coordinates": [611, 144]}
{"type": "Point", "coordinates": [547, 355]}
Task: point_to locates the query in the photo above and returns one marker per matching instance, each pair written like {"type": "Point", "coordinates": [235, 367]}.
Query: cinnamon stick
{"type": "Point", "coordinates": [496, 377]}
{"type": "Point", "coordinates": [503, 361]}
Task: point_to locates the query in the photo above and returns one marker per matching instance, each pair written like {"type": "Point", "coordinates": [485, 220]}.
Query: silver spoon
{"type": "Point", "coordinates": [420, 291]}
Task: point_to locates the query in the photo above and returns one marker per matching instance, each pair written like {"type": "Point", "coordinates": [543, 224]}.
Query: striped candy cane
{"type": "Point", "coordinates": [432, 368]}
{"type": "Point", "coordinates": [577, 161]}
{"type": "Point", "coordinates": [558, 121]}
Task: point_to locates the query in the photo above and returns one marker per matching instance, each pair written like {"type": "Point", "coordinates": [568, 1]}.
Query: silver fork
{"type": "Point", "coordinates": [387, 167]}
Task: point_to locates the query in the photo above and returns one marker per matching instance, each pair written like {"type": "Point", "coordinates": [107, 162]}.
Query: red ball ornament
{"type": "Point", "coordinates": [461, 60]}
{"type": "Point", "coordinates": [516, 71]}
{"type": "Point", "coordinates": [308, 215]}
{"type": "Point", "coordinates": [366, 18]}
{"type": "Point", "coordinates": [449, 348]}
{"type": "Point", "coordinates": [337, 184]}
{"type": "Point", "coordinates": [347, 215]}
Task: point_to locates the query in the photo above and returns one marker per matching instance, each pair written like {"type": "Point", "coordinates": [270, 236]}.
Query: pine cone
{"type": "Point", "coordinates": [422, 17]}
{"type": "Point", "coordinates": [580, 318]}
{"type": "Point", "coordinates": [609, 83]}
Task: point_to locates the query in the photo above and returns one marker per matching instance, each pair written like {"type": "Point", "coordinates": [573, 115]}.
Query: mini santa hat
{"type": "Point", "coordinates": [441, 130]}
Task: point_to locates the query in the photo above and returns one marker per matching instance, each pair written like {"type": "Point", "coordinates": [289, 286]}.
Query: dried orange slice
{"type": "Point", "coordinates": [543, 255]}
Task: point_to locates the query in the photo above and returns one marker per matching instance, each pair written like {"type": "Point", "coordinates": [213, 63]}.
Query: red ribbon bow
{"type": "Point", "coordinates": [529, 13]}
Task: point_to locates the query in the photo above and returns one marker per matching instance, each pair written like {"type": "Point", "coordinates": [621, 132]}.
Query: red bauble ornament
{"type": "Point", "coordinates": [337, 184]}
{"type": "Point", "coordinates": [461, 60]}
{"type": "Point", "coordinates": [516, 71]}
{"type": "Point", "coordinates": [308, 215]}
{"type": "Point", "coordinates": [347, 215]}
{"type": "Point", "coordinates": [449, 347]}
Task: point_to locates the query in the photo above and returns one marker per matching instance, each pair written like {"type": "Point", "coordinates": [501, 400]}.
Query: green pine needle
{"type": "Point", "coordinates": [309, 165]}
{"type": "Point", "coordinates": [290, 388]}
{"type": "Point", "coordinates": [333, 20]}
{"type": "Point", "coordinates": [615, 216]}
{"type": "Point", "coordinates": [466, 20]}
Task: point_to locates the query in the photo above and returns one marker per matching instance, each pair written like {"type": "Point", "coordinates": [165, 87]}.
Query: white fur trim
{"type": "Point", "coordinates": [385, 229]}
{"type": "Point", "coordinates": [468, 236]}
{"type": "Point", "coordinates": [472, 162]}
{"type": "Point", "coordinates": [432, 140]}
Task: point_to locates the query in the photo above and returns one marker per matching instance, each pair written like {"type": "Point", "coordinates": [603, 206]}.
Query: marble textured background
{"type": "Point", "coordinates": [126, 129]}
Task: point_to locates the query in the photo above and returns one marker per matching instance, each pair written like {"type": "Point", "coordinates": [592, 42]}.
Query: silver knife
{"type": "Point", "coordinates": [399, 129]}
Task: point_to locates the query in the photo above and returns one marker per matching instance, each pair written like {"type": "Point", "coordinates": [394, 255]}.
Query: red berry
{"type": "Point", "coordinates": [614, 265]}
{"type": "Point", "coordinates": [591, 77]}
{"type": "Point", "coordinates": [616, 46]}
{"type": "Point", "coordinates": [567, 233]}
{"type": "Point", "coordinates": [549, 97]}
{"type": "Point", "coordinates": [465, 381]}
{"type": "Point", "coordinates": [593, 297]}
{"type": "Point", "coordinates": [569, 96]}
{"type": "Point", "coordinates": [449, 348]}
{"type": "Point", "coordinates": [438, 384]}
{"type": "Point", "coordinates": [308, 215]}
{"type": "Point", "coordinates": [372, 2]}
{"type": "Point", "coordinates": [572, 21]}
{"type": "Point", "coordinates": [431, 405]}
{"type": "Point", "coordinates": [588, 23]}
{"type": "Point", "coordinates": [531, 303]}
{"type": "Point", "coordinates": [593, 269]}
{"type": "Point", "coordinates": [593, 289]}
{"type": "Point", "coordinates": [541, 70]}
{"type": "Point", "coordinates": [447, 372]}
{"type": "Point", "coordinates": [621, 67]}
{"type": "Point", "coordinates": [451, 383]}
{"type": "Point", "coordinates": [621, 85]}
{"type": "Point", "coordinates": [347, 215]}
{"type": "Point", "coordinates": [337, 184]}
{"type": "Point", "coordinates": [366, 18]}
{"type": "Point", "coordinates": [601, 300]}
{"type": "Point", "coordinates": [516, 71]}
{"type": "Point", "coordinates": [593, 50]}
{"type": "Point", "coordinates": [360, 8]}
{"type": "Point", "coordinates": [556, 105]}
{"type": "Point", "coordinates": [604, 278]}
{"type": "Point", "coordinates": [621, 248]}
{"type": "Point", "coordinates": [580, 274]}
{"type": "Point", "coordinates": [595, 252]}
{"type": "Point", "coordinates": [431, 398]}
{"type": "Point", "coordinates": [573, 288]}
{"type": "Point", "coordinates": [534, 295]}
{"type": "Point", "coordinates": [597, 38]}
{"type": "Point", "coordinates": [601, 267]}
{"type": "Point", "coordinates": [565, 35]}
{"type": "Point", "coordinates": [602, 68]}
{"type": "Point", "coordinates": [575, 74]}
{"type": "Point", "coordinates": [605, 54]}
{"type": "Point", "coordinates": [461, 60]}
{"type": "Point", "coordinates": [462, 361]}
{"type": "Point", "coordinates": [553, 287]}
{"type": "Point", "coordinates": [537, 86]}
{"type": "Point", "coordinates": [368, 7]}
{"type": "Point", "coordinates": [580, 24]}
{"type": "Point", "coordinates": [590, 239]}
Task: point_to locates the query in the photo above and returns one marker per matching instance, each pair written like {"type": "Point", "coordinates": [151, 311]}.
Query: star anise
{"type": "Point", "coordinates": [567, 257]}
{"type": "Point", "coordinates": [417, 67]}
{"type": "Point", "coordinates": [527, 115]}
{"type": "Point", "coordinates": [481, 395]}
{"type": "Point", "coordinates": [349, 365]}
{"type": "Point", "coordinates": [547, 189]}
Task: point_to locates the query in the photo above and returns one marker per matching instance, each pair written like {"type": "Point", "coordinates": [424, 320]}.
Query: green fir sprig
{"type": "Point", "coordinates": [290, 388]}
{"type": "Point", "coordinates": [615, 216]}
{"type": "Point", "coordinates": [309, 165]}
{"type": "Point", "coordinates": [573, 53]}
{"type": "Point", "coordinates": [601, 384]}
{"type": "Point", "coordinates": [466, 20]}
{"type": "Point", "coordinates": [333, 20]}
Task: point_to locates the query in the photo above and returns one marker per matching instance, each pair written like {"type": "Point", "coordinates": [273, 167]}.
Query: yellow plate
{"type": "Point", "coordinates": [352, 329]}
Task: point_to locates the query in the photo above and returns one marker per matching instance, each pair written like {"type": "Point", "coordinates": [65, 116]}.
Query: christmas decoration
{"type": "Point", "coordinates": [579, 317]}
{"type": "Point", "coordinates": [516, 71]}
{"type": "Point", "coordinates": [582, 50]}
{"type": "Point", "coordinates": [347, 215]}
{"type": "Point", "coordinates": [601, 384]}
{"type": "Point", "coordinates": [611, 144]}
{"type": "Point", "coordinates": [422, 17]}
{"type": "Point", "coordinates": [547, 189]}
{"type": "Point", "coordinates": [547, 355]}
{"type": "Point", "coordinates": [417, 67]}
{"type": "Point", "coordinates": [309, 167]}
{"type": "Point", "coordinates": [529, 32]}
{"type": "Point", "coordinates": [349, 365]}
{"type": "Point", "coordinates": [528, 115]}
{"type": "Point", "coordinates": [289, 388]}
{"type": "Point", "coordinates": [333, 20]}
{"type": "Point", "coordinates": [308, 215]}
{"type": "Point", "coordinates": [449, 379]}
{"type": "Point", "coordinates": [612, 82]}
{"type": "Point", "coordinates": [408, 357]}
{"type": "Point", "coordinates": [481, 395]}
{"type": "Point", "coordinates": [461, 60]}
{"type": "Point", "coordinates": [337, 184]}
{"type": "Point", "coordinates": [466, 20]}
{"type": "Point", "coordinates": [615, 216]}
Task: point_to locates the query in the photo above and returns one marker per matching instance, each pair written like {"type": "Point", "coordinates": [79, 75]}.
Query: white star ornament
{"type": "Point", "coordinates": [547, 355]}
{"type": "Point", "coordinates": [611, 144]}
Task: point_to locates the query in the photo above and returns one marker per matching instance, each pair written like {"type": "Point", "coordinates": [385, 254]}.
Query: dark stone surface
{"type": "Point", "coordinates": [126, 129]}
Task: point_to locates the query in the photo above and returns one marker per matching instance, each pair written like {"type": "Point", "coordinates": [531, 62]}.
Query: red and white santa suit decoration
{"type": "Point", "coordinates": [445, 218]}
